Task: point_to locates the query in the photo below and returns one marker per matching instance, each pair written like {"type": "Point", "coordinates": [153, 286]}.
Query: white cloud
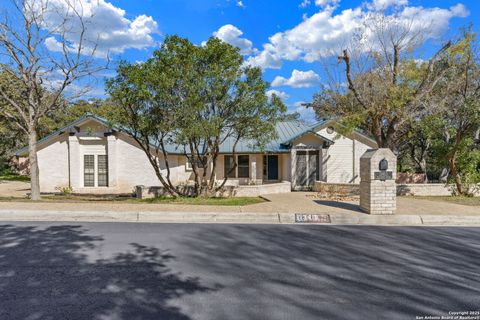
{"type": "Point", "coordinates": [327, 31]}
{"type": "Point", "coordinates": [281, 94]}
{"type": "Point", "coordinates": [385, 4]}
{"type": "Point", "coordinates": [306, 114]}
{"type": "Point", "coordinates": [318, 3]}
{"type": "Point", "coordinates": [232, 35]}
{"type": "Point", "coordinates": [267, 59]}
{"type": "Point", "coordinates": [299, 79]}
{"type": "Point", "coordinates": [240, 4]}
{"type": "Point", "coordinates": [106, 26]}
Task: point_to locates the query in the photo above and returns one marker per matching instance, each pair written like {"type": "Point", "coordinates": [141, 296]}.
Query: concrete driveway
{"type": "Point", "coordinates": [308, 202]}
{"type": "Point", "coordinates": [120, 271]}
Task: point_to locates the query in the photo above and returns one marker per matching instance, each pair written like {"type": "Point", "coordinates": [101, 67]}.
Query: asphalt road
{"type": "Point", "coordinates": [167, 271]}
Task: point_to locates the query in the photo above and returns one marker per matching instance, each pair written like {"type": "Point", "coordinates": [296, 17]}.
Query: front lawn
{"type": "Point", "coordinates": [240, 201]}
{"type": "Point", "coordinates": [14, 177]}
{"type": "Point", "coordinates": [467, 201]}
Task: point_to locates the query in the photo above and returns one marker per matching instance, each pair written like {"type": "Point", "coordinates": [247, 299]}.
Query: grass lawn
{"type": "Point", "coordinates": [468, 201]}
{"type": "Point", "coordinates": [240, 201]}
{"type": "Point", "coordinates": [14, 177]}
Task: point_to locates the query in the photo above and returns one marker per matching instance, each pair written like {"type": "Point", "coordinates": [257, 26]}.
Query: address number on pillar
{"type": "Point", "coordinates": [383, 175]}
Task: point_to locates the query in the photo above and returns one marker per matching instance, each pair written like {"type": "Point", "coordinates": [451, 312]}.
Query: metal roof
{"type": "Point", "coordinates": [287, 132]}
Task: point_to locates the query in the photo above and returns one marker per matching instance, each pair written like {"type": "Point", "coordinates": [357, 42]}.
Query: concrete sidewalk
{"type": "Point", "coordinates": [292, 202]}
{"type": "Point", "coordinates": [232, 217]}
{"type": "Point", "coordinates": [279, 209]}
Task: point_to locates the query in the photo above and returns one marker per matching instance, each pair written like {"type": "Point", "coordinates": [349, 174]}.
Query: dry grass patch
{"type": "Point", "coordinates": [467, 201]}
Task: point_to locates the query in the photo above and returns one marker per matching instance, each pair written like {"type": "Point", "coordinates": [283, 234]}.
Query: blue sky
{"type": "Point", "coordinates": [289, 39]}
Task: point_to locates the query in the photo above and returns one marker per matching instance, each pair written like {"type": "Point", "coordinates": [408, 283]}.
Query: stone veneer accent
{"type": "Point", "coordinates": [377, 196]}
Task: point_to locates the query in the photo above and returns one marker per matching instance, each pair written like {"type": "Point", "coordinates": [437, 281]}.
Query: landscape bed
{"type": "Point", "coordinates": [216, 201]}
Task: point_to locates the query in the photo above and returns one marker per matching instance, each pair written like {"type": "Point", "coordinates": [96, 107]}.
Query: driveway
{"type": "Point", "coordinates": [308, 202]}
{"type": "Point", "coordinates": [209, 272]}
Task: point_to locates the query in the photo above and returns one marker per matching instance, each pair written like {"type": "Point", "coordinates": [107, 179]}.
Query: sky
{"type": "Point", "coordinates": [289, 39]}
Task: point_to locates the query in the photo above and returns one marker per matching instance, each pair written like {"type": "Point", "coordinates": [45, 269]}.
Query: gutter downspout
{"type": "Point", "coordinates": [69, 163]}
{"type": "Point", "coordinates": [354, 177]}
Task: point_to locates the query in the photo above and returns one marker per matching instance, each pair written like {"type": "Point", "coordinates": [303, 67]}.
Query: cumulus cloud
{"type": "Point", "coordinates": [240, 4]}
{"type": "Point", "coordinates": [106, 27]}
{"type": "Point", "coordinates": [232, 35]}
{"type": "Point", "coordinates": [281, 94]}
{"type": "Point", "coordinates": [298, 79]}
{"type": "Point", "coordinates": [318, 3]}
{"type": "Point", "coordinates": [306, 114]}
{"type": "Point", "coordinates": [385, 4]}
{"type": "Point", "coordinates": [266, 59]}
{"type": "Point", "coordinates": [327, 31]}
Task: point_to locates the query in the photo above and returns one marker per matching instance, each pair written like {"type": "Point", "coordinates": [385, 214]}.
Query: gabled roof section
{"type": "Point", "coordinates": [304, 133]}
{"type": "Point", "coordinates": [79, 121]}
{"type": "Point", "coordinates": [360, 133]}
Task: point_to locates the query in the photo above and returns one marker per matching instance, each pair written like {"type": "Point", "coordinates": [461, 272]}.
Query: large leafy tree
{"type": "Point", "coordinates": [458, 94]}
{"type": "Point", "coordinates": [197, 97]}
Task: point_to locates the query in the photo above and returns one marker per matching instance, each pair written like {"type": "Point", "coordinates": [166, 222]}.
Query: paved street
{"type": "Point", "coordinates": [168, 271]}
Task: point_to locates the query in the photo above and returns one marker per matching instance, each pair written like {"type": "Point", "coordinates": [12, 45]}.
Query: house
{"type": "Point", "coordinates": [90, 156]}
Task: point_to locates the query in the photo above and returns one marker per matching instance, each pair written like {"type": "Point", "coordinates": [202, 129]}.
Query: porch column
{"type": "Point", "coordinates": [112, 160]}
{"type": "Point", "coordinates": [253, 165]}
{"type": "Point", "coordinates": [74, 162]}
{"type": "Point", "coordinates": [323, 164]}
{"type": "Point", "coordinates": [293, 167]}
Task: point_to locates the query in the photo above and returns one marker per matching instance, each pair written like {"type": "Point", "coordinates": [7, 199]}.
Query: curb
{"type": "Point", "coordinates": [232, 217]}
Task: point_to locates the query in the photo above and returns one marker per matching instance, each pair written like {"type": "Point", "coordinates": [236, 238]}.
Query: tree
{"type": "Point", "coordinates": [458, 93]}
{"type": "Point", "coordinates": [386, 87]}
{"type": "Point", "coordinates": [197, 98]}
{"type": "Point", "coordinates": [43, 76]}
{"type": "Point", "coordinates": [420, 143]}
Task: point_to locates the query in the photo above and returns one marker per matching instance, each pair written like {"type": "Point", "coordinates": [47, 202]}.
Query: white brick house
{"type": "Point", "coordinates": [91, 157]}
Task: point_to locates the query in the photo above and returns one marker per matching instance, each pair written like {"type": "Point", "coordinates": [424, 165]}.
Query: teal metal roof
{"type": "Point", "coordinates": [287, 132]}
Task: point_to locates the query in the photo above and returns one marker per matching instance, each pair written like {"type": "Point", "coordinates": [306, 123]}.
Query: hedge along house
{"type": "Point", "coordinates": [90, 156]}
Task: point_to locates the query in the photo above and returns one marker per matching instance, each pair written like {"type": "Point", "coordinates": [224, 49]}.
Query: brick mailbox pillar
{"type": "Point", "coordinates": [378, 190]}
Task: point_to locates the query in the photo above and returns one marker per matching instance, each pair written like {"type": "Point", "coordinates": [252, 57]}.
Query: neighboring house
{"type": "Point", "coordinates": [91, 157]}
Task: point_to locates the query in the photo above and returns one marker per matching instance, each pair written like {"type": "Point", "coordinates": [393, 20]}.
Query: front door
{"type": "Point", "coordinates": [272, 167]}
{"type": "Point", "coordinates": [301, 169]}
{"type": "Point", "coordinates": [306, 167]}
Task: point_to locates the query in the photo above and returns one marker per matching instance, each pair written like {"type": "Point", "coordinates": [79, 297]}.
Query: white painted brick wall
{"type": "Point", "coordinates": [340, 163]}
{"type": "Point", "coordinates": [53, 164]}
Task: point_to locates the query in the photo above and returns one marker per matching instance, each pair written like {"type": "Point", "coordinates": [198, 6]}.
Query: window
{"type": "Point", "coordinates": [243, 166]}
{"type": "Point", "coordinates": [228, 165]}
{"type": "Point", "coordinates": [89, 170]}
{"type": "Point", "coordinates": [102, 170]}
{"type": "Point", "coordinates": [188, 164]}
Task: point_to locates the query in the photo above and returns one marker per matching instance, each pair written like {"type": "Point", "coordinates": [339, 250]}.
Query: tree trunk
{"type": "Point", "coordinates": [423, 168]}
{"type": "Point", "coordinates": [444, 175]}
{"type": "Point", "coordinates": [32, 158]}
{"type": "Point", "coordinates": [453, 169]}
